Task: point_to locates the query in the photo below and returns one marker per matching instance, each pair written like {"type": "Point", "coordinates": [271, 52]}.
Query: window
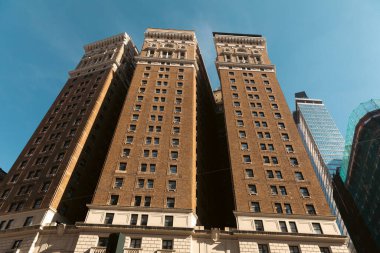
{"type": "Point", "coordinates": [118, 183]}
{"type": "Point", "coordinates": [28, 221]}
{"type": "Point", "coordinates": [289, 148]}
{"type": "Point", "coordinates": [154, 153]}
{"type": "Point", "coordinates": [263, 248]}
{"type": "Point", "coordinates": [249, 173]}
{"type": "Point", "coordinates": [247, 159]}
{"type": "Point", "coordinates": [168, 221]}
{"type": "Point", "coordinates": [236, 104]}
{"type": "Point", "coordinates": [310, 209]}
{"type": "Point", "coordinates": [134, 218]}
{"type": "Point", "coordinates": [114, 199]}
{"type": "Point", "coordinates": [281, 125]}
{"type": "Point", "coordinates": [144, 220]}
{"type": "Point", "coordinates": [16, 244]}
{"type": "Point", "coordinates": [266, 159]}
{"type": "Point", "coordinates": [242, 134]}
{"type": "Point", "coordinates": [37, 203]}
{"type": "Point", "coordinates": [294, 249]}
{"type": "Point", "coordinates": [240, 123]}
{"type": "Point", "coordinates": [152, 167]}
{"type": "Point", "coordinates": [293, 161]}
{"type": "Point", "coordinates": [167, 244]}
{"type": "Point", "coordinates": [304, 192]}
{"type": "Point", "coordinates": [147, 201]}
{"type": "Point", "coordinates": [126, 152]}
{"type": "Point", "coordinates": [288, 208]}
{"type": "Point", "coordinates": [324, 249]}
{"type": "Point", "coordinates": [9, 224]}
{"type": "Point", "coordinates": [278, 174]}
{"type": "Point", "coordinates": [122, 166]}
{"type": "Point", "coordinates": [103, 242]}
{"type": "Point", "coordinates": [259, 225]}
{"type": "Point", "coordinates": [270, 147]}
{"type": "Point", "coordinates": [173, 169]}
{"type": "Point", "coordinates": [252, 189]}
{"type": "Point", "coordinates": [132, 128]}
{"type": "Point", "coordinates": [317, 228]}
{"type": "Point", "coordinates": [170, 202]}
{"type": "Point", "coordinates": [260, 135]}
{"type": "Point", "coordinates": [293, 227]}
{"type": "Point", "coordinates": [255, 207]}
{"type": "Point", "coordinates": [137, 201]}
{"type": "Point", "coordinates": [263, 146]}
{"type": "Point", "coordinates": [274, 160]}
{"type": "Point", "coordinates": [244, 146]}
{"type": "Point", "coordinates": [45, 187]}
{"type": "Point", "coordinates": [283, 226]}
{"type": "Point", "coordinates": [278, 207]}
{"type": "Point", "coordinates": [298, 175]}
{"type": "Point", "coordinates": [176, 130]}
{"type": "Point", "coordinates": [283, 190]}
{"type": "Point", "coordinates": [172, 185]}
{"type": "Point", "coordinates": [267, 135]}
{"type": "Point", "coordinates": [175, 142]}
{"type": "Point", "coordinates": [109, 218]}
{"type": "Point", "coordinates": [140, 183]}
{"type": "Point", "coordinates": [135, 243]}
{"type": "Point", "coordinates": [273, 190]}
{"type": "Point", "coordinates": [129, 139]}
{"type": "Point", "coordinates": [150, 184]}
{"type": "Point", "coordinates": [285, 137]}
{"type": "Point", "coordinates": [174, 155]}
{"type": "Point", "coordinates": [270, 174]}
{"type": "Point", "coordinates": [257, 123]}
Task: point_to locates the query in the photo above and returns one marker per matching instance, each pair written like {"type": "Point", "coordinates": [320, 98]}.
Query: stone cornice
{"type": "Point", "coordinates": [245, 65]}
{"type": "Point", "coordinates": [142, 209]}
{"type": "Point", "coordinates": [156, 59]}
{"type": "Point", "coordinates": [168, 34]}
{"type": "Point", "coordinates": [288, 216]}
{"type": "Point", "coordinates": [236, 39]}
{"type": "Point", "coordinates": [120, 38]}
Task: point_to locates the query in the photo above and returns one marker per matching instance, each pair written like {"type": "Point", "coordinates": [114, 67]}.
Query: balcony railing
{"type": "Point", "coordinates": [98, 250]}
{"type": "Point", "coordinates": [131, 250]}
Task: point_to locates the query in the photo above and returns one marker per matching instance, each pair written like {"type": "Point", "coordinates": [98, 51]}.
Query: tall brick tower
{"type": "Point", "coordinates": [149, 177]}
{"type": "Point", "coordinates": [275, 188]}
{"type": "Point", "coordinates": [56, 173]}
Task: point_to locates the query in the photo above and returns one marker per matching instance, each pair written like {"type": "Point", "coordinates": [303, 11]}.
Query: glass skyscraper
{"type": "Point", "coordinates": [325, 146]}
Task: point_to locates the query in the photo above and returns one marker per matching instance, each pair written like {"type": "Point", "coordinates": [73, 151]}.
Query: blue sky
{"type": "Point", "coordinates": [330, 49]}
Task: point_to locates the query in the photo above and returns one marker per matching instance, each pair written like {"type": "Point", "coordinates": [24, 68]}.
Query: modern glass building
{"type": "Point", "coordinates": [325, 145]}
{"type": "Point", "coordinates": [357, 189]}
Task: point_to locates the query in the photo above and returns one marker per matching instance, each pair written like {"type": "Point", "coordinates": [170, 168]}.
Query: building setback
{"type": "Point", "coordinates": [56, 173]}
{"type": "Point", "coordinates": [324, 144]}
{"type": "Point", "coordinates": [189, 173]}
{"type": "Point", "coordinates": [356, 187]}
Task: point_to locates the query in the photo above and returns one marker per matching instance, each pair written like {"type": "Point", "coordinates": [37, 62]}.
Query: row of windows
{"type": "Point", "coordinates": [144, 167]}
{"type": "Point", "coordinates": [174, 142]}
{"type": "Point", "coordinates": [167, 244]}
{"type": "Point", "coordinates": [245, 74]}
{"type": "Point", "coordinates": [266, 146]}
{"type": "Point", "coordinates": [270, 160]}
{"type": "Point", "coordinates": [142, 183]}
{"type": "Point", "coordinates": [280, 208]}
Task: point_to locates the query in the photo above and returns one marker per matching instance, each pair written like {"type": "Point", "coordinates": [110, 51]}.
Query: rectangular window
{"type": "Point", "coordinates": [249, 173]}
{"type": "Point", "coordinates": [137, 201]}
{"type": "Point", "coordinates": [144, 220]}
{"type": "Point", "coordinates": [150, 184]}
{"type": "Point", "coordinates": [283, 226]}
{"type": "Point", "coordinates": [278, 207]}
{"type": "Point", "coordinates": [273, 189]}
{"type": "Point", "coordinates": [304, 192]}
{"type": "Point", "coordinates": [324, 249]}
{"type": "Point", "coordinates": [152, 168]}
{"type": "Point", "coordinates": [252, 189]}
{"type": "Point", "coordinates": [263, 248]}
{"type": "Point", "coordinates": [294, 249]}
{"type": "Point", "coordinates": [168, 221]}
{"type": "Point", "coordinates": [317, 228]}
{"type": "Point", "coordinates": [134, 218]}
{"type": "Point", "coordinates": [147, 201]}
{"type": "Point", "coordinates": [173, 169]}
{"type": "Point", "coordinates": [310, 209]}
{"type": "Point", "coordinates": [170, 202]}
{"type": "Point", "coordinates": [114, 199]}
{"type": "Point", "coordinates": [259, 225]}
{"type": "Point", "coordinates": [118, 182]}
{"type": "Point", "coordinates": [172, 185]}
{"type": "Point", "coordinates": [255, 207]}
{"type": "Point", "coordinates": [283, 190]}
{"type": "Point", "coordinates": [293, 227]}
{"type": "Point", "coordinates": [298, 175]}
{"type": "Point", "coordinates": [269, 174]}
{"type": "Point", "coordinates": [288, 208]}
{"type": "Point", "coordinates": [246, 159]}
{"type": "Point", "coordinates": [135, 243]}
{"type": "Point", "coordinates": [109, 218]}
{"type": "Point", "coordinates": [28, 221]}
{"type": "Point", "coordinates": [167, 244]}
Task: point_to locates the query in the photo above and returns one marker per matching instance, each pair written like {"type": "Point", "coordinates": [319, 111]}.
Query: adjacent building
{"type": "Point", "coordinates": [56, 173]}
{"type": "Point", "coordinates": [356, 188]}
{"type": "Point", "coordinates": [189, 169]}
{"type": "Point", "coordinates": [324, 144]}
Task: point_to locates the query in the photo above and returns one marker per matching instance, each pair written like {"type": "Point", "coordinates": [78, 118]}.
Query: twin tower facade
{"type": "Point", "coordinates": [138, 144]}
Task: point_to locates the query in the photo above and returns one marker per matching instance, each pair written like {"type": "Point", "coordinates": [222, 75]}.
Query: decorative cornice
{"type": "Point", "coordinates": [142, 209]}
{"type": "Point", "coordinates": [120, 38]}
{"type": "Point", "coordinates": [245, 65]}
{"type": "Point", "coordinates": [156, 59]}
{"type": "Point", "coordinates": [169, 34]}
{"type": "Point", "coordinates": [239, 39]}
{"type": "Point", "coordinates": [288, 216]}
